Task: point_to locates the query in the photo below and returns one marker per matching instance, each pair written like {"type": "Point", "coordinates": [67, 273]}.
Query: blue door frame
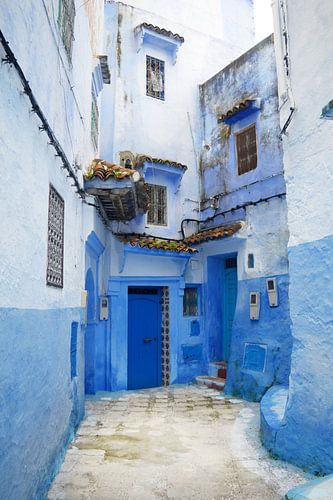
{"type": "Point", "coordinates": [144, 337]}
{"type": "Point", "coordinates": [229, 276]}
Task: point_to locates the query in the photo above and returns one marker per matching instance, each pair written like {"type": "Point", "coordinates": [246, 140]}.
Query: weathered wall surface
{"type": "Point", "coordinates": [41, 405]}
{"type": "Point", "coordinates": [169, 129]}
{"type": "Point", "coordinates": [264, 236]}
{"type": "Point", "coordinates": [307, 155]}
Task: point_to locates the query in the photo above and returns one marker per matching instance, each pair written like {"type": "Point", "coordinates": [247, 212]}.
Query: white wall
{"type": "Point", "coordinates": [308, 146]}
{"type": "Point", "coordinates": [211, 17]}
{"type": "Point", "coordinates": [144, 125]}
{"type": "Point", "coordinates": [29, 163]}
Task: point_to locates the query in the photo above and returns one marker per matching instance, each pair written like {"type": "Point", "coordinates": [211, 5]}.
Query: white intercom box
{"type": "Point", "coordinates": [272, 292]}
{"type": "Point", "coordinates": [254, 305]}
{"type": "Point", "coordinates": [103, 308]}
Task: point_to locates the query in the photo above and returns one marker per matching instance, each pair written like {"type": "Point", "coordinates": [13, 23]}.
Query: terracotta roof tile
{"type": "Point", "coordinates": [213, 234]}
{"type": "Point", "coordinates": [162, 31]}
{"type": "Point", "coordinates": [235, 109]}
{"type": "Point", "coordinates": [104, 170]}
{"type": "Point", "coordinates": [140, 159]}
{"type": "Point", "coordinates": [154, 243]}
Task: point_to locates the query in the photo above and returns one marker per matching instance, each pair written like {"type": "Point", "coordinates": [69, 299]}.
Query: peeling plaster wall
{"type": "Point", "coordinates": [305, 436]}
{"type": "Point", "coordinates": [40, 405]}
{"type": "Point", "coordinates": [264, 234]}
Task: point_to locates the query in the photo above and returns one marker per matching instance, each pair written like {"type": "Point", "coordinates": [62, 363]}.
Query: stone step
{"type": "Point", "coordinates": [217, 369]}
{"type": "Point", "coordinates": [211, 382]}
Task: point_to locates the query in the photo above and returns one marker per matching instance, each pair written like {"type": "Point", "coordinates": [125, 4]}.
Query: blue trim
{"type": "Point", "coordinates": [149, 36]}
{"type": "Point", "coordinates": [253, 107]}
{"type": "Point", "coordinates": [94, 246]}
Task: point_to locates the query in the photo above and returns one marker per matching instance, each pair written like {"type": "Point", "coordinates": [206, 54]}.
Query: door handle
{"type": "Point", "coordinates": [148, 339]}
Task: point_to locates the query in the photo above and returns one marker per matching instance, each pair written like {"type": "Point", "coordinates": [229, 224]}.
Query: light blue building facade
{"type": "Point", "coordinates": [240, 108]}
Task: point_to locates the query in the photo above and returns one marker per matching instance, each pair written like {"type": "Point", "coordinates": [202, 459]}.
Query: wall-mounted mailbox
{"type": "Point", "coordinates": [103, 308]}
{"type": "Point", "coordinates": [272, 292]}
{"type": "Point", "coordinates": [254, 305]}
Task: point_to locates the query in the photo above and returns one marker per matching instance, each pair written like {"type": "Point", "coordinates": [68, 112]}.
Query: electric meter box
{"type": "Point", "coordinates": [272, 292]}
{"type": "Point", "coordinates": [254, 305]}
{"type": "Point", "coordinates": [103, 308]}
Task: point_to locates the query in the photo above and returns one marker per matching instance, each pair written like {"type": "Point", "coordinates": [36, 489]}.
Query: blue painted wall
{"type": "Point", "coordinates": [33, 432]}
{"type": "Point", "coordinates": [272, 331]}
{"type": "Point", "coordinates": [264, 233]}
{"type": "Point", "coordinates": [308, 418]}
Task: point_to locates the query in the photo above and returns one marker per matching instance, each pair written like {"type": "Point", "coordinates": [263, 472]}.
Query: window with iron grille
{"type": "Point", "coordinates": [190, 301]}
{"type": "Point", "coordinates": [94, 118]}
{"type": "Point", "coordinates": [157, 210]}
{"type": "Point", "coordinates": [155, 78]}
{"type": "Point", "coordinates": [55, 243]}
{"type": "Point", "coordinates": [246, 146]}
{"type": "Point", "coordinates": [66, 18]}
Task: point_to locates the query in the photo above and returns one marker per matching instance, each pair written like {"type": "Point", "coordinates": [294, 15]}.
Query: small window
{"type": "Point", "coordinates": [190, 301]}
{"type": "Point", "coordinates": [246, 146]}
{"type": "Point", "coordinates": [157, 208]}
{"type": "Point", "coordinates": [94, 118]}
{"type": "Point", "coordinates": [155, 78]}
{"type": "Point", "coordinates": [55, 244]}
{"type": "Point", "coordinates": [66, 24]}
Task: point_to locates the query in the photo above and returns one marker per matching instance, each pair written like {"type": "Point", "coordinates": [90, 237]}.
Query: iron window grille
{"type": "Point", "coordinates": [190, 302]}
{"type": "Point", "coordinates": [155, 78]}
{"type": "Point", "coordinates": [94, 119]}
{"type": "Point", "coordinates": [55, 244]}
{"type": "Point", "coordinates": [66, 19]}
{"type": "Point", "coordinates": [246, 147]}
{"type": "Point", "coordinates": [157, 205]}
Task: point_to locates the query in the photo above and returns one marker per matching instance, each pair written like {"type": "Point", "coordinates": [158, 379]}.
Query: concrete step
{"type": "Point", "coordinates": [217, 369]}
{"type": "Point", "coordinates": [211, 382]}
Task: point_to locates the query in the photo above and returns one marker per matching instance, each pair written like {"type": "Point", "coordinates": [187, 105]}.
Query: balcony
{"type": "Point", "coordinates": [121, 191]}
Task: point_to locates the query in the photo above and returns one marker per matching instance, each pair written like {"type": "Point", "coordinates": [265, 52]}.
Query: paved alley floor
{"type": "Point", "coordinates": [180, 442]}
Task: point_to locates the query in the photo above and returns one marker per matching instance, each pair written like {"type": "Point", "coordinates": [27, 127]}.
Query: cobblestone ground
{"type": "Point", "coordinates": [181, 442]}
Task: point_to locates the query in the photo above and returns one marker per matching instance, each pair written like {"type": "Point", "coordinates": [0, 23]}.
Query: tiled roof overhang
{"type": "Point", "coordinates": [213, 234]}
{"type": "Point", "coordinates": [240, 110]}
{"type": "Point", "coordinates": [161, 31]}
{"type": "Point", "coordinates": [141, 159]}
{"type": "Point", "coordinates": [104, 170]}
{"type": "Point", "coordinates": [155, 243]}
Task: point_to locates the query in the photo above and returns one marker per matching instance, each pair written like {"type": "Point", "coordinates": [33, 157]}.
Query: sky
{"type": "Point", "coordinates": [263, 19]}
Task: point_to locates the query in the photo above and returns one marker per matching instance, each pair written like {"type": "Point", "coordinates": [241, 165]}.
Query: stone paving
{"type": "Point", "coordinates": [180, 442]}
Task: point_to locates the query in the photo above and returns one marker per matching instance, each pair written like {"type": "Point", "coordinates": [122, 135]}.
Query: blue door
{"type": "Point", "coordinates": [144, 337]}
{"type": "Point", "coordinates": [229, 302]}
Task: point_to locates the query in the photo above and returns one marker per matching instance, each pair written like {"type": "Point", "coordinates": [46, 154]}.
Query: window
{"type": "Point", "coordinates": [66, 24]}
{"type": "Point", "coordinates": [157, 205]}
{"type": "Point", "coordinates": [190, 301]}
{"type": "Point", "coordinates": [55, 244]}
{"type": "Point", "coordinates": [155, 78]}
{"type": "Point", "coordinates": [246, 146]}
{"type": "Point", "coordinates": [94, 118]}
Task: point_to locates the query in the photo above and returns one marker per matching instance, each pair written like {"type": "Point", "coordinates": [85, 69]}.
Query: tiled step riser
{"type": "Point", "coordinates": [222, 373]}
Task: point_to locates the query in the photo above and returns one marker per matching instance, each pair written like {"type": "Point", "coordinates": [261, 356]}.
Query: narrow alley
{"type": "Point", "coordinates": [171, 443]}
